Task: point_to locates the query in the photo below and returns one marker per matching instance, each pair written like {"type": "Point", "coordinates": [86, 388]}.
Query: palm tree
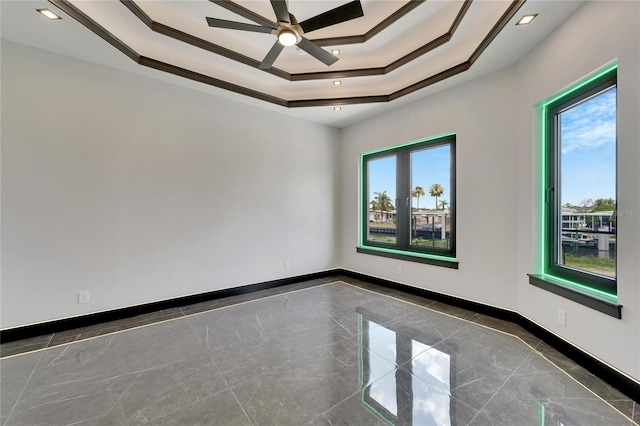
{"type": "Point", "coordinates": [443, 204]}
{"type": "Point", "coordinates": [383, 202]}
{"type": "Point", "coordinates": [436, 190]}
{"type": "Point", "coordinates": [418, 192]}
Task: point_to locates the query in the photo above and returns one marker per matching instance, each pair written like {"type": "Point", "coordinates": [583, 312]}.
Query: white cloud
{"type": "Point", "coordinates": [590, 125]}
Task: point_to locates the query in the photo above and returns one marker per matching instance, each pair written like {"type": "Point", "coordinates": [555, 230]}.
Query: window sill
{"type": "Point", "coordinates": [446, 262]}
{"type": "Point", "coordinates": [592, 301]}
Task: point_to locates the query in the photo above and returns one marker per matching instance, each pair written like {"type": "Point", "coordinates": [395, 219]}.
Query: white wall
{"type": "Point", "coordinates": [481, 112]}
{"type": "Point", "coordinates": [498, 171]}
{"type": "Point", "coordinates": [137, 190]}
{"type": "Point", "coordinates": [596, 34]}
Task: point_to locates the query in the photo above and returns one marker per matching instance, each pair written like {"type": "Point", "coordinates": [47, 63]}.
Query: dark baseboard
{"type": "Point", "coordinates": [613, 377]}
{"type": "Point", "coordinates": [58, 326]}
{"type": "Point", "coordinates": [491, 311]}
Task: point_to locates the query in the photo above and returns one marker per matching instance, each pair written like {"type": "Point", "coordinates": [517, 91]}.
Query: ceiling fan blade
{"type": "Point", "coordinates": [343, 13]}
{"type": "Point", "coordinates": [271, 56]}
{"type": "Point", "coordinates": [317, 51]}
{"type": "Point", "coordinates": [222, 23]}
{"type": "Point", "coordinates": [281, 10]}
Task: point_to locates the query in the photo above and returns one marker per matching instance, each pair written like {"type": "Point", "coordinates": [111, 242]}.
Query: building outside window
{"type": "Point", "coordinates": [408, 201]}
{"type": "Point", "coordinates": [580, 197]}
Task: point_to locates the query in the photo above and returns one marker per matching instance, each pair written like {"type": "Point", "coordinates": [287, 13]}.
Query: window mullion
{"type": "Point", "coordinates": [403, 203]}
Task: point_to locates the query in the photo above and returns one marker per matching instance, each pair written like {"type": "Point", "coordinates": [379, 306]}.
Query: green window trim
{"type": "Point", "coordinates": [590, 289]}
{"type": "Point", "coordinates": [403, 248]}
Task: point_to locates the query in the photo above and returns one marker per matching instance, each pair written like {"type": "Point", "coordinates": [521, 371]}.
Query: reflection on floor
{"type": "Point", "coordinates": [330, 353]}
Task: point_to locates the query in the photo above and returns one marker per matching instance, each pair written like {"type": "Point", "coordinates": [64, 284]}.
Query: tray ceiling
{"type": "Point", "coordinates": [397, 48]}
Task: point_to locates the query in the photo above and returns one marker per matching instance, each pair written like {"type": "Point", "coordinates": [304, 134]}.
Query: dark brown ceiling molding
{"type": "Point", "coordinates": [245, 13]}
{"type": "Point", "coordinates": [93, 26]}
{"type": "Point", "coordinates": [338, 101]}
{"type": "Point", "coordinates": [360, 72]}
{"type": "Point", "coordinates": [450, 72]}
{"type": "Point", "coordinates": [439, 41]}
{"type": "Point", "coordinates": [198, 42]}
{"type": "Point", "coordinates": [463, 11]}
{"type": "Point", "coordinates": [79, 16]}
{"type": "Point", "coordinates": [387, 22]}
{"type": "Point", "coordinates": [211, 81]}
{"type": "Point", "coordinates": [504, 19]}
{"type": "Point", "coordinates": [434, 43]}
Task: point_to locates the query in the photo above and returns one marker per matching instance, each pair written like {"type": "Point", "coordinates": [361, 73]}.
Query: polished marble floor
{"type": "Point", "coordinates": [323, 352]}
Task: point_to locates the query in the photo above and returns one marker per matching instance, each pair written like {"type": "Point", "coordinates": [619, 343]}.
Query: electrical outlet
{"type": "Point", "coordinates": [83, 296]}
{"type": "Point", "coordinates": [399, 270]}
{"type": "Point", "coordinates": [287, 265]}
{"type": "Point", "coordinates": [562, 317]}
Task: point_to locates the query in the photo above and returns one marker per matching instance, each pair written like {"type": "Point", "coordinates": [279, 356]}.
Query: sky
{"type": "Point", "coordinates": [428, 166]}
{"type": "Point", "coordinates": [588, 158]}
{"type": "Point", "coordinates": [588, 149]}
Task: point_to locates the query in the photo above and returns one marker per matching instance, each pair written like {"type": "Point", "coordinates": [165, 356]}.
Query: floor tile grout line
{"type": "Point", "coordinates": [500, 388]}
{"type": "Point", "coordinates": [168, 320]}
{"type": "Point", "coordinates": [586, 387]}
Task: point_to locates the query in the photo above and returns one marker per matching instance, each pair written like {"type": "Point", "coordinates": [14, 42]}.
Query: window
{"type": "Point", "coordinates": [408, 201]}
{"type": "Point", "coordinates": [579, 200]}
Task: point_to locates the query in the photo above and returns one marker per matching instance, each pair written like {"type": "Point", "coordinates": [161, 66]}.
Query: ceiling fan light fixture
{"type": "Point", "coordinates": [287, 38]}
{"type": "Point", "coordinates": [335, 52]}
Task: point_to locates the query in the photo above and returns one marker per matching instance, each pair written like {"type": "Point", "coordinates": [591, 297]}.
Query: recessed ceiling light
{"type": "Point", "coordinates": [337, 82]}
{"type": "Point", "coordinates": [335, 52]}
{"type": "Point", "coordinates": [337, 108]}
{"type": "Point", "coordinates": [526, 19]}
{"type": "Point", "coordinates": [49, 14]}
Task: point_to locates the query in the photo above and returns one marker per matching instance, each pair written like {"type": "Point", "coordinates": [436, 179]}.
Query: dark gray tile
{"type": "Point", "coordinates": [507, 327]}
{"type": "Point", "coordinates": [306, 284]}
{"type": "Point", "coordinates": [24, 345]}
{"type": "Point", "coordinates": [476, 370]}
{"type": "Point", "coordinates": [221, 408]}
{"type": "Point", "coordinates": [310, 353]}
{"type": "Point", "coordinates": [279, 390]}
{"type": "Point", "coordinates": [454, 311]}
{"type": "Point", "coordinates": [90, 378]}
{"type": "Point", "coordinates": [592, 382]}
{"type": "Point", "coordinates": [63, 340]}
{"type": "Point", "coordinates": [482, 419]}
{"type": "Point", "coordinates": [401, 398]}
{"type": "Point", "coordinates": [538, 393]}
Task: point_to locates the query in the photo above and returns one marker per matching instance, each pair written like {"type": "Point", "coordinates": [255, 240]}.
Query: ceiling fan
{"type": "Point", "coordinates": [290, 31]}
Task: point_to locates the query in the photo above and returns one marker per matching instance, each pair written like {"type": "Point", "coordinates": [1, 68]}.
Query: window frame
{"type": "Point", "coordinates": [588, 289]}
{"type": "Point", "coordinates": [402, 248]}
